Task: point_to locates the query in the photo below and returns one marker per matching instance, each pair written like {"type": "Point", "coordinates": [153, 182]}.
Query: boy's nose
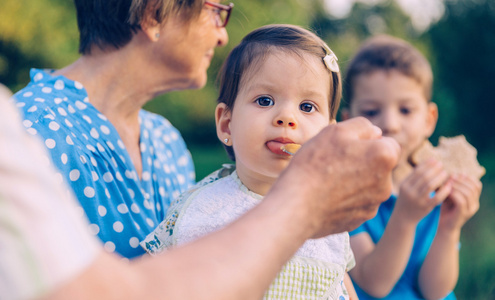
{"type": "Point", "coordinates": [390, 123]}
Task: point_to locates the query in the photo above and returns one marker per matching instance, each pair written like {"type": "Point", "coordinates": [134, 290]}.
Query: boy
{"type": "Point", "coordinates": [410, 249]}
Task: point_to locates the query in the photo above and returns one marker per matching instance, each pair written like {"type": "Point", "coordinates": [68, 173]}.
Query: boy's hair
{"type": "Point", "coordinates": [253, 50]}
{"type": "Point", "coordinates": [112, 23]}
{"type": "Point", "coordinates": [387, 53]}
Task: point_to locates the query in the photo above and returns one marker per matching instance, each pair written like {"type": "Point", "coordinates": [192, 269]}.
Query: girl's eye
{"type": "Point", "coordinates": [264, 101]}
{"type": "Point", "coordinates": [307, 107]}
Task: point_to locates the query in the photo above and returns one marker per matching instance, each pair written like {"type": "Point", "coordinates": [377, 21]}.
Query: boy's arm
{"type": "Point", "coordinates": [380, 266]}
{"type": "Point", "coordinates": [439, 273]}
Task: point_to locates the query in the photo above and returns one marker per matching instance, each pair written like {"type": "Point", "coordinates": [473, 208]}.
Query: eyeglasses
{"type": "Point", "coordinates": [222, 12]}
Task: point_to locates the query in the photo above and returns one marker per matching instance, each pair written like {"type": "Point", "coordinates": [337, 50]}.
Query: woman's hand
{"type": "Point", "coordinates": [340, 176]}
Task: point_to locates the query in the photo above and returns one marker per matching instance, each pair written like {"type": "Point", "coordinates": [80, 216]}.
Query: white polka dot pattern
{"type": "Point", "coordinates": [92, 158]}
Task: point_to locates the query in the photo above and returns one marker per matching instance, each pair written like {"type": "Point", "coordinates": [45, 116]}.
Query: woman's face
{"type": "Point", "coordinates": [185, 48]}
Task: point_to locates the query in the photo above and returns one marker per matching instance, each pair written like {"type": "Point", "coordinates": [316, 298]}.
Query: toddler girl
{"type": "Point", "coordinates": [281, 85]}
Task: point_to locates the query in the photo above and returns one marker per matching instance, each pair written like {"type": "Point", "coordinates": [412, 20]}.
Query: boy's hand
{"type": "Point", "coordinates": [426, 187]}
{"type": "Point", "coordinates": [461, 204]}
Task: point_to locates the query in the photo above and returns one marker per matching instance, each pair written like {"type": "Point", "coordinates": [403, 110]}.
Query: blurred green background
{"type": "Point", "coordinates": [457, 36]}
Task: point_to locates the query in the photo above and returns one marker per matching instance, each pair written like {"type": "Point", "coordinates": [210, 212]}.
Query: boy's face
{"type": "Point", "coordinates": [395, 103]}
{"type": "Point", "coordinates": [283, 100]}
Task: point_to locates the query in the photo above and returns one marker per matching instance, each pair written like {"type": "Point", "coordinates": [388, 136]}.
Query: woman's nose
{"type": "Point", "coordinates": [223, 37]}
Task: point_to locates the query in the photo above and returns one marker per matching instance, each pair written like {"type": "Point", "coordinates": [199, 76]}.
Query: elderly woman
{"type": "Point", "coordinates": [125, 164]}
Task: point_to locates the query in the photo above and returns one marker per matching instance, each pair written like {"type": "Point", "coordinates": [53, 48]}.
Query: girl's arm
{"type": "Point", "coordinates": [380, 266]}
{"type": "Point", "coordinates": [440, 271]}
{"type": "Point", "coordinates": [350, 287]}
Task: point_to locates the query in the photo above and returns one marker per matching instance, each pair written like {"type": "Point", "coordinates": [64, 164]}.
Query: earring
{"type": "Point", "coordinates": [157, 35]}
{"type": "Point", "coordinates": [226, 141]}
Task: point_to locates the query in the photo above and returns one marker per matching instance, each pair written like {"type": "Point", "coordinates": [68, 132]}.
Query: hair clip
{"type": "Point", "coordinates": [330, 60]}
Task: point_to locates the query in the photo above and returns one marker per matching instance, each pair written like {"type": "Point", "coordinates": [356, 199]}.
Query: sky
{"type": "Point", "coordinates": [422, 12]}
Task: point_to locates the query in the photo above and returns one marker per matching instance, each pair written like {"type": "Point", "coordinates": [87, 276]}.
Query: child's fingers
{"type": "Point", "coordinates": [467, 190]}
{"type": "Point", "coordinates": [429, 177]}
{"type": "Point", "coordinates": [472, 185]}
{"type": "Point", "coordinates": [442, 193]}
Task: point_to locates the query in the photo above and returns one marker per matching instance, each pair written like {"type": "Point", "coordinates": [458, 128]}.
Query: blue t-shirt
{"type": "Point", "coordinates": [94, 162]}
{"type": "Point", "coordinates": [407, 288]}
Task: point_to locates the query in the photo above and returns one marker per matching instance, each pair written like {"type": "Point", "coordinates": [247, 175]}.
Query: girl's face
{"type": "Point", "coordinates": [395, 103]}
{"type": "Point", "coordinates": [283, 100]}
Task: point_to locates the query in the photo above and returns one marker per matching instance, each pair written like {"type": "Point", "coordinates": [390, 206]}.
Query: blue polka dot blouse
{"type": "Point", "coordinates": [93, 160]}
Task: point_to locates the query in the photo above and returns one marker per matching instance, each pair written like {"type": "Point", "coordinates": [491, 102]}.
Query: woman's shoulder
{"type": "Point", "coordinates": [153, 120]}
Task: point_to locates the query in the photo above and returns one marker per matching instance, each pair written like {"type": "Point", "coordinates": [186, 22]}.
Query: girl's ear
{"type": "Point", "coordinates": [223, 115]}
{"type": "Point", "coordinates": [431, 118]}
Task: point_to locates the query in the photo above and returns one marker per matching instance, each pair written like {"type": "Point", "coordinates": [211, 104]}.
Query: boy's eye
{"type": "Point", "coordinates": [405, 111]}
{"type": "Point", "coordinates": [369, 113]}
{"type": "Point", "coordinates": [264, 101]}
{"type": "Point", "coordinates": [307, 107]}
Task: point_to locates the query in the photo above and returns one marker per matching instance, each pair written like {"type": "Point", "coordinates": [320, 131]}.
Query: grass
{"type": "Point", "coordinates": [208, 158]}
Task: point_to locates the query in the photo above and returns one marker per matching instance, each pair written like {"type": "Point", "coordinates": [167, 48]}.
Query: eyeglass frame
{"type": "Point", "coordinates": [221, 7]}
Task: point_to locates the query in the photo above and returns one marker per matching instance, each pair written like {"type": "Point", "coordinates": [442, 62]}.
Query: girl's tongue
{"type": "Point", "coordinates": [276, 147]}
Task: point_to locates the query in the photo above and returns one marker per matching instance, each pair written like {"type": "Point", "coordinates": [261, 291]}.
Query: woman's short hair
{"type": "Point", "coordinates": [112, 23]}
{"type": "Point", "coordinates": [253, 50]}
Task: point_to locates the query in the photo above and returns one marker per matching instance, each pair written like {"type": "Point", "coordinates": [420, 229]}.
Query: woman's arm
{"type": "Point", "coordinates": [327, 188]}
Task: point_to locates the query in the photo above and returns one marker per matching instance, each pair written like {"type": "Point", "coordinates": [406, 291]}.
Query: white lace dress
{"type": "Point", "coordinates": [315, 272]}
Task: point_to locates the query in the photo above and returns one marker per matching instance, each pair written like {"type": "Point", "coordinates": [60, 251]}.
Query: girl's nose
{"type": "Point", "coordinates": [286, 121]}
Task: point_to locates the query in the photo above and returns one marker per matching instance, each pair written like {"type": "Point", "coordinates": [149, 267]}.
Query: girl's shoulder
{"type": "Point", "coordinates": [193, 214]}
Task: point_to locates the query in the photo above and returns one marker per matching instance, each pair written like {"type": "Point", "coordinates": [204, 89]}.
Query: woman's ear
{"type": "Point", "coordinates": [151, 28]}
{"type": "Point", "coordinates": [223, 116]}
{"type": "Point", "coordinates": [431, 118]}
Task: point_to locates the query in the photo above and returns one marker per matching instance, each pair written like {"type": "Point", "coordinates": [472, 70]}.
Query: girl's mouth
{"type": "Point", "coordinates": [276, 145]}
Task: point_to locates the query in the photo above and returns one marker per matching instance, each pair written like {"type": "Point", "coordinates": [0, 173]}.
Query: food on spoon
{"type": "Point", "coordinates": [290, 148]}
{"type": "Point", "coordinates": [456, 155]}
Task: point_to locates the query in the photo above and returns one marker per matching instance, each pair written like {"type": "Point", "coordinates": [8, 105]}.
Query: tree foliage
{"type": "Point", "coordinates": [463, 43]}
{"type": "Point", "coordinates": [40, 34]}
